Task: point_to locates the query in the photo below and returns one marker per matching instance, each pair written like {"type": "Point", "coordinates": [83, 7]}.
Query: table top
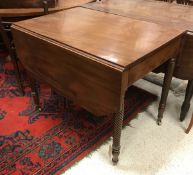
{"type": "Point", "coordinates": [114, 39]}
{"type": "Point", "coordinates": [62, 4]}
{"type": "Point", "coordinates": [171, 14]}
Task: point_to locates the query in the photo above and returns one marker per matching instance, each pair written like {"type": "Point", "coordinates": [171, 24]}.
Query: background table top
{"type": "Point", "coordinates": [62, 4]}
{"type": "Point", "coordinates": [170, 14]}
{"type": "Point", "coordinates": [111, 38]}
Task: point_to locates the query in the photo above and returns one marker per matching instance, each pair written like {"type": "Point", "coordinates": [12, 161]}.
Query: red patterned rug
{"type": "Point", "coordinates": [48, 142]}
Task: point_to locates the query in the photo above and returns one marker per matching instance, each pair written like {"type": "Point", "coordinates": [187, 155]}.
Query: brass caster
{"type": "Point", "coordinates": [159, 122]}
{"type": "Point", "coordinates": [182, 116]}
{"type": "Point", "coordinates": [115, 158]}
{"type": "Point", "coordinates": [38, 109]}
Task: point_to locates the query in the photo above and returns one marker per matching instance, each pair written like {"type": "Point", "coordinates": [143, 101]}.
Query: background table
{"type": "Point", "coordinates": [62, 5]}
{"type": "Point", "coordinates": [170, 14]}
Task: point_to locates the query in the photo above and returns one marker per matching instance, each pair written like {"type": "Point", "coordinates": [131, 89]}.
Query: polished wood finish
{"type": "Point", "coordinates": [147, 10]}
{"type": "Point", "coordinates": [23, 12]}
{"type": "Point", "coordinates": [160, 13]}
{"type": "Point", "coordinates": [17, 10]}
{"type": "Point", "coordinates": [166, 85]}
{"type": "Point", "coordinates": [108, 44]}
{"type": "Point", "coordinates": [184, 65]}
{"type": "Point", "coordinates": [92, 57]}
{"type": "Point", "coordinates": [26, 3]}
{"type": "Point", "coordinates": [184, 70]}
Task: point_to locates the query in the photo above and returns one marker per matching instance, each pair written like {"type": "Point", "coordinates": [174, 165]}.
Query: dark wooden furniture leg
{"type": "Point", "coordinates": [34, 93]}
{"type": "Point", "coordinates": [186, 104]}
{"type": "Point", "coordinates": [190, 125]}
{"type": "Point", "coordinates": [10, 47]}
{"type": "Point", "coordinates": [165, 89]}
{"type": "Point", "coordinates": [16, 68]}
{"type": "Point", "coordinates": [117, 129]}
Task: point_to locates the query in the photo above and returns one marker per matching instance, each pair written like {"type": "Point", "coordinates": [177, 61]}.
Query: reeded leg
{"type": "Point", "coordinates": [118, 123]}
{"type": "Point", "coordinates": [165, 89]}
{"type": "Point", "coordinates": [186, 104]}
{"type": "Point", "coordinates": [190, 125]}
{"type": "Point", "coordinates": [34, 93]}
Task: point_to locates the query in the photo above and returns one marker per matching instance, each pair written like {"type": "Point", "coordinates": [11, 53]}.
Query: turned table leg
{"type": "Point", "coordinates": [16, 68]}
{"type": "Point", "coordinates": [165, 89]}
{"type": "Point", "coordinates": [34, 93]}
{"type": "Point", "coordinates": [186, 104]}
{"type": "Point", "coordinates": [117, 129]}
{"type": "Point", "coordinates": [12, 52]}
